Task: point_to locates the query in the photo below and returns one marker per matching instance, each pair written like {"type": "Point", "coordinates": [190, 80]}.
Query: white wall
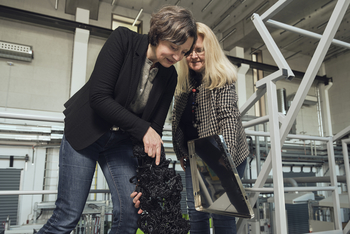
{"type": "Point", "coordinates": [42, 84]}
{"type": "Point", "coordinates": [339, 94]}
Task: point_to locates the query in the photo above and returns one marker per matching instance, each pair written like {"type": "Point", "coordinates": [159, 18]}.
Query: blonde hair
{"type": "Point", "coordinates": [218, 70]}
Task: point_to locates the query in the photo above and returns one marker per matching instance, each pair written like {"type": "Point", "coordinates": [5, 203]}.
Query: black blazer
{"type": "Point", "coordinates": [103, 101]}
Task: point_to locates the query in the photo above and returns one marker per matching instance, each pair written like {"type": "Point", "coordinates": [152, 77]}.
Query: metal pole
{"type": "Point", "coordinates": [304, 32]}
{"type": "Point", "coordinates": [277, 7]}
{"type": "Point", "coordinates": [334, 182]}
{"type": "Point", "coordinates": [281, 223]}
{"type": "Point", "coordinates": [291, 189]}
{"type": "Point", "coordinates": [252, 100]}
{"type": "Point", "coordinates": [40, 192]}
{"type": "Point", "coordinates": [291, 136]}
{"type": "Point", "coordinates": [8, 115]}
{"type": "Point", "coordinates": [271, 45]}
{"type": "Point", "coordinates": [316, 61]}
{"type": "Point", "coordinates": [346, 164]}
{"type": "Point", "coordinates": [342, 133]}
{"type": "Point", "coordinates": [314, 65]}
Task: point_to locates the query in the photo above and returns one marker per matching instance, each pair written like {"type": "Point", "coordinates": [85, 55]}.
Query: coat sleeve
{"type": "Point", "coordinates": [104, 78]}
{"type": "Point", "coordinates": [230, 124]}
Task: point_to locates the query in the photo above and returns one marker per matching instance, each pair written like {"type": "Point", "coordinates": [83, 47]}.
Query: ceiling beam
{"type": "Point", "coordinates": [50, 21]}
{"type": "Point", "coordinates": [270, 68]}
{"type": "Point", "coordinates": [69, 25]}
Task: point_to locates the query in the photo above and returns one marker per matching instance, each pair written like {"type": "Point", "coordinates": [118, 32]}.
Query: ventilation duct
{"type": "Point", "coordinates": [16, 51]}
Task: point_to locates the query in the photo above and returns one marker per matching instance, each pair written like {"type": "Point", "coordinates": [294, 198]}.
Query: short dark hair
{"type": "Point", "coordinates": [172, 23]}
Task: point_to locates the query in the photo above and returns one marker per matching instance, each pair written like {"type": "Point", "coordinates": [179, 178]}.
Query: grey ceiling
{"type": "Point", "coordinates": [232, 19]}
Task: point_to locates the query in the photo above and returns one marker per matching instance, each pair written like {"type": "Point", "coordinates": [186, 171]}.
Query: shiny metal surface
{"type": "Point", "coordinates": [217, 187]}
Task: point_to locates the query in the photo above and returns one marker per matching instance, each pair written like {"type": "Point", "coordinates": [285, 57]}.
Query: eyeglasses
{"type": "Point", "coordinates": [198, 51]}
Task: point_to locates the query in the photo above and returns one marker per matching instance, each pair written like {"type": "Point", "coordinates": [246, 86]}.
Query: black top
{"type": "Point", "coordinates": [186, 122]}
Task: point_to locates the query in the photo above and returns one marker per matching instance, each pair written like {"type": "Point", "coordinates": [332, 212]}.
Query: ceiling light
{"type": "Point", "coordinates": [221, 21]}
{"type": "Point", "coordinates": [292, 42]}
{"type": "Point", "coordinates": [137, 17]}
{"type": "Point", "coordinates": [227, 35]}
{"type": "Point", "coordinates": [258, 9]}
{"type": "Point", "coordinates": [257, 49]}
{"type": "Point", "coordinates": [293, 54]}
{"type": "Point", "coordinates": [327, 4]}
{"type": "Point", "coordinates": [321, 25]}
{"type": "Point", "coordinates": [205, 7]}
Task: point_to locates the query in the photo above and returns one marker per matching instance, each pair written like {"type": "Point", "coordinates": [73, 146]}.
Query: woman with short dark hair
{"type": "Point", "coordinates": [126, 99]}
{"type": "Point", "coordinates": [169, 26]}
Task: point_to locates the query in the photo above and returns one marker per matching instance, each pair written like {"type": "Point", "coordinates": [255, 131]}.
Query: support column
{"type": "Point", "coordinates": [276, 154]}
{"type": "Point", "coordinates": [241, 72]}
{"type": "Point", "coordinates": [80, 48]}
{"type": "Point", "coordinates": [325, 109]}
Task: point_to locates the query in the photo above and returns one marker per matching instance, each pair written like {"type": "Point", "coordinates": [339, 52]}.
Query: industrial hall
{"type": "Point", "coordinates": [174, 117]}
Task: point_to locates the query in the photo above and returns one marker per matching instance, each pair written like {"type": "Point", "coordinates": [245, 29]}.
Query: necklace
{"type": "Point", "coordinates": [194, 107]}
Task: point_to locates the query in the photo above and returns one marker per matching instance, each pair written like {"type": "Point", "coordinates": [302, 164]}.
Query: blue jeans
{"type": "Point", "coordinates": [200, 220]}
{"type": "Point", "coordinates": [113, 152]}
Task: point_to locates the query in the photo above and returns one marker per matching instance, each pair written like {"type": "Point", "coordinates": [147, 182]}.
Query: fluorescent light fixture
{"type": "Point", "coordinates": [137, 17]}
{"type": "Point", "coordinates": [221, 21]}
{"type": "Point", "coordinates": [207, 5]}
{"type": "Point", "coordinates": [227, 35]}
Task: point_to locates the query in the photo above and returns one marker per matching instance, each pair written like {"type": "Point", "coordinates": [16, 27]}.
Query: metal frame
{"type": "Point", "coordinates": [279, 133]}
{"type": "Point", "coordinates": [347, 173]}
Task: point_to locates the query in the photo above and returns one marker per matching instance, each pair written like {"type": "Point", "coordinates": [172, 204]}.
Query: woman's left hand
{"type": "Point", "coordinates": [136, 200]}
{"type": "Point", "coordinates": [183, 163]}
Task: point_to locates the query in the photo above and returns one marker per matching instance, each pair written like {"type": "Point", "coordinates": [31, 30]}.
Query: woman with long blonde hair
{"type": "Point", "coordinates": [206, 104]}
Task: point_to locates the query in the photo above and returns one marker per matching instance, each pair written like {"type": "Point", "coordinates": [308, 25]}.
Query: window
{"type": "Point", "coordinates": [118, 20]}
{"type": "Point", "coordinates": [260, 107]}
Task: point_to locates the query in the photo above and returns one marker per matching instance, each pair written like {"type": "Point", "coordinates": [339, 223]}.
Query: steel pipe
{"type": "Point", "coordinates": [304, 32]}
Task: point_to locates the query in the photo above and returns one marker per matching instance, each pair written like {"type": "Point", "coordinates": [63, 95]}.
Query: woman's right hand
{"type": "Point", "coordinates": [152, 143]}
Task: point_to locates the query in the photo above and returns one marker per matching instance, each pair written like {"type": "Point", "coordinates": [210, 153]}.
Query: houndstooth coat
{"type": "Point", "coordinates": [217, 113]}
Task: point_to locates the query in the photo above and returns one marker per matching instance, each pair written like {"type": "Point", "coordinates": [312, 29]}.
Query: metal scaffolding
{"type": "Point", "coordinates": [280, 125]}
